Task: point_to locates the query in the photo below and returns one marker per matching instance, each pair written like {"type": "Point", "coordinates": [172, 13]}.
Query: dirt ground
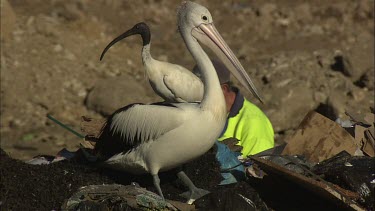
{"type": "Point", "coordinates": [302, 56]}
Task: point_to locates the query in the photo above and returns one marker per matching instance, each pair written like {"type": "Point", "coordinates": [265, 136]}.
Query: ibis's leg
{"type": "Point", "coordinates": [194, 192]}
{"type": "Point", "coordinates": [157, 184]}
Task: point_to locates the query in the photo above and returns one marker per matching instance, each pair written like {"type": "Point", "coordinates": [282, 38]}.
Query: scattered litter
{"type": "Point", "coordinates": [318, 158]}
{"type": "Point", "coordinates": [365, 132]}
{"type": "Point", "coordinates": [237, 196]}
{"type": "Point", "coordinates": [364, 190]}
{"type": "Point", "coordinates": [251, 203]}
{"type": "Point", "coordinates": [318, 186]}
{"type": "Point", "coordinates": [335, 170]}
{"type": "Point", "coordinates": [344, 123]}
{"type": "Point", "coordinates": [254, 171]}
{"type": "Point", "coordinates": [63, 154]}
{"type": "Point", "coordinates": [119, 197]}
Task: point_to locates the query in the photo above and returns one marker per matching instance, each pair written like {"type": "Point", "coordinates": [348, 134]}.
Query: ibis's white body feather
{"type": "Point", "coordinates": [172, 82]}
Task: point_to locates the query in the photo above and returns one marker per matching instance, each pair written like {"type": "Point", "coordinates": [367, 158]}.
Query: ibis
{"type": "Point", "coordinates": [171, 82]}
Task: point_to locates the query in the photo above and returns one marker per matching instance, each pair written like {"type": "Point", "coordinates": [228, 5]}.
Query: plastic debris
{"type": "Point", "coordinates": [118, 197]}
{"type": "Point", "coordinates": [314, 184]}
{"type": "Point", "coordinates": [232, 169]}
{"type": "Point", "coordinates": [237, 196]}
{"type": "Point", "coordinates": [352, 173]}
{"type": "Point", "coordinates": [345, 123]}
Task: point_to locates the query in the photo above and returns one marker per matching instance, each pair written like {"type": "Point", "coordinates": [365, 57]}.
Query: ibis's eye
{"type": "Point", "coordinates": [204, 18]}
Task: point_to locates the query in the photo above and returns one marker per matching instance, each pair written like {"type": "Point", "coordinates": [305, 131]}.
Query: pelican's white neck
{"type": "Point", "coordinates": [213, 98]}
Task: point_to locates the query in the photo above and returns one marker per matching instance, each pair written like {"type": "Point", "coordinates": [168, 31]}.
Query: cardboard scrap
{"type": "Point", "coordinates": [370, 118]}
{"type": "Point", "coordinates": [368, 144]}
{"type": "Point", "coordinates": [365, 135]}
{"type": "Point", "coordinates": [232, 144]}
{"type": "Point", "coordinates": [319, 138]}
{"type": "Point", "coordinates": [367, 118]}
{"type": "Point", "coordinates": [92, 127]}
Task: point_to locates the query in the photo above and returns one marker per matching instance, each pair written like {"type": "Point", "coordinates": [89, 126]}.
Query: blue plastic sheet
{"type": "Point", "coordinates": [232, 169]}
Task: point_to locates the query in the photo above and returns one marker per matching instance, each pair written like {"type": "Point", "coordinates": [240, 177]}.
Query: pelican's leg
{"type": "Point", "coordinates": [194, 192]}
{"type": "Point", "coordinates": [157, 185]}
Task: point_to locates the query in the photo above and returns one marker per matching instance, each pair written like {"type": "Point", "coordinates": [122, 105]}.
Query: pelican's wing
{"type": "Point", "coordinates": [135, 124]}
{"type": "Point", "coordinates": [184, 85]}
{"type": "Point", "coordinates": [141, 123]}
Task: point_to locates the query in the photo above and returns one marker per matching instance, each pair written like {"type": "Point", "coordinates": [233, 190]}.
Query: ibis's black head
{"type": "Point", "coordinates": [139, 28]}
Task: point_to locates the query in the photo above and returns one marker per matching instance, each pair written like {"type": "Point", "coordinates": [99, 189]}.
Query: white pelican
{"type": "Point", "coordinates": [171, 82]}
{"type": "Point", "coordinates": [152, 138]}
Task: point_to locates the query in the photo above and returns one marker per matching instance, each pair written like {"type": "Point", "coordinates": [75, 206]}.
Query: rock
{"type": "Point", "coordinates": [8, 20]}
{"type": "Point", "coordinates": [316, 29]}
{"type": "Point", "coordinates": [76, 87]}
{"type": "Point", "coordinates": [46, 26]}
{"type": "Point", "coordinates": [320, 96]}
{"type": "Point", "coordinates": [283, 22]}
{"type": "Point", "coordinates": [358, 95]}
{"type": "Point", "coordinates": [69, 55]}
{"type": "Point", "coordinates": [303, 12]}
{"type": "Point", "coordinates": [366, 80]}
{"type": "Point", "coordinates": [361, 55]}
{"type": "Point", "coordinates": [69, 11]}
{"type": "Point", "coordinates": [337, 100]}
{"type": "Point", "coordinates": [342, 64]}
{"type": "Point", "coordinates": [266, 13]}
{"type": "Point", "coordinates": [57, 48]}
{"type": "Point", "coordinates": [364, 10]}
{"type": "Point", "coordinates": [267, 9]}
{"type": "Point", "coordinates": [111, 94]}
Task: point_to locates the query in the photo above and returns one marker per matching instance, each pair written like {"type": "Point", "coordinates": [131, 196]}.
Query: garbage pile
{"type": "Point", "coordinates": [324, 165]}
{"type": "Point", "coordinates": [333, 161]}
{"type": "Point", "coordinates": [329, 164]}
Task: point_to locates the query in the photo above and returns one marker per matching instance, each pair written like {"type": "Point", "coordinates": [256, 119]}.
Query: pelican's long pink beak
{"type": "Point", "coordinates": [208, 35]}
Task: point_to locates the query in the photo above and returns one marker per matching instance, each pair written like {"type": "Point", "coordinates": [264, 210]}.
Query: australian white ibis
{"type": "Point", "coordinates": [152, 138]}
{"type": "Point", "coordinates": [171, 82]}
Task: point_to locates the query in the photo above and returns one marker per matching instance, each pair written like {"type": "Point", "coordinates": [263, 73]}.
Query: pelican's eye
{"type": "Point", "coordinates": [204, 18]}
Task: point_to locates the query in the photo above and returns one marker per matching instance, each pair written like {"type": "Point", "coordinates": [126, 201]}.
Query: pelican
{"type": "Point", "coordinates": [157, 137]}
{"type": "Point", "coordinates": [171, 82]}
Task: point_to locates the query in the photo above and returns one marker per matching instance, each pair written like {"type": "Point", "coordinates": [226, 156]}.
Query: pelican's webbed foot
{"type": "Point", "coordinates": [194, 193]}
